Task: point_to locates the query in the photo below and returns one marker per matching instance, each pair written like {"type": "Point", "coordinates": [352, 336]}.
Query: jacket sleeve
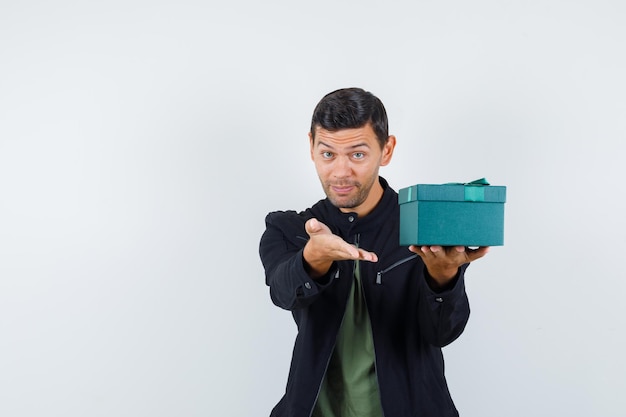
{"type": "Point", "coordinates": [443, 315]}
{"type": "Point", "coordinates": [280, 250]}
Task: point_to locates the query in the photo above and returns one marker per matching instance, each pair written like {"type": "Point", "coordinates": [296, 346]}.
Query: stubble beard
{"type": "Point", "coordinates": [348, 202]}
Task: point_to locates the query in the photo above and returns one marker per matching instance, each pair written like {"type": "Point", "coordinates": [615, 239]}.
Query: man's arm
{"type": "Point", "coordinates": [442, 263]}
{"type": "Point", "coordinates": [444, 307]}
{"type": "Point", "coordinates": [296, 273]}
{"type": "Point", "coordinates": [280, 250]}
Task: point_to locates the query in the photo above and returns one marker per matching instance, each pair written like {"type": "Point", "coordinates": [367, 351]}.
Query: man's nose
{"type": "Point", "coordinates": [342, 167]}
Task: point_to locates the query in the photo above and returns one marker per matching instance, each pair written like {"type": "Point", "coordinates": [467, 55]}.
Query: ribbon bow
{"type": "Point", "coordinates": [474, 190]}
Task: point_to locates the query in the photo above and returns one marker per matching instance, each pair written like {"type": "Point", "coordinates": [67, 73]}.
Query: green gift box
{"type": "Point", "coordinates": [455, 214]}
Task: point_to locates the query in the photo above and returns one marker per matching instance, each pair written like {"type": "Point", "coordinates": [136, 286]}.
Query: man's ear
{"type": "Point", "coordinates": [311, 140]}
{"type": "Point", "coordinates": [388, 150]}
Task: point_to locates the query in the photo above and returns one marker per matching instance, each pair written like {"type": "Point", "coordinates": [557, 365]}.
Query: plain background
{"type": "Point", "coordinates": [142, 143]}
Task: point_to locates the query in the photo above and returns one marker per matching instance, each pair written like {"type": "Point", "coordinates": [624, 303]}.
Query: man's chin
{"type": "Point", "coordinates": [343, 203]}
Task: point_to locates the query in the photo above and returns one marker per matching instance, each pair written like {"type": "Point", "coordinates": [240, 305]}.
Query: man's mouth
{"type": "Point", "coordinates": [342, 189]}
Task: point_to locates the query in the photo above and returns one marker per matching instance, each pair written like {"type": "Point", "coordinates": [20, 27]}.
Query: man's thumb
{"type": "Point", "coordinates": [312, 226]}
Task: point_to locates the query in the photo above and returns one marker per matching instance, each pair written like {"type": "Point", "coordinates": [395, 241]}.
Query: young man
{"type": "Point", "coordinates": [372, 316]}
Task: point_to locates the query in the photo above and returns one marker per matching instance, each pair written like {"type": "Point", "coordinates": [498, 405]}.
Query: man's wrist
{"type": "Point", "coordinates": [314, 269]}
{"type": "Point", "coordinates": [441, 280]}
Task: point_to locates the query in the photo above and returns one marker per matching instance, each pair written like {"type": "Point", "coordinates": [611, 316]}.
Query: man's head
{"type": "Point", "coordinates": [351, 108]}
{"type": "Point", "coordinates": [349, 142]}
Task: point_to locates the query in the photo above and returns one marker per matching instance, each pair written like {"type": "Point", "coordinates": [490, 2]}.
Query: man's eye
{"type": "Point", "coordinates": [358, 155]}
{"type": "Point", "coordinates": [327, 155]}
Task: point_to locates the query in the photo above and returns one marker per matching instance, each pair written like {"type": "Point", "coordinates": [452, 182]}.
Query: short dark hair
{"type": "Point", "coordinates": [351, 108]}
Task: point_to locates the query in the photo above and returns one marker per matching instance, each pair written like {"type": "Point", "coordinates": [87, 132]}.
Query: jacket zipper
{"type": "Point", "coordinates": [379, 274]}
{"type": "Point", "coordinates": [380, 399]}
{"type": "Point", "coordinates": [319, 388]}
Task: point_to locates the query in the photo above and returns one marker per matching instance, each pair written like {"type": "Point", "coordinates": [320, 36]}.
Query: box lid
{"type": "Point", "coordinates": [475, 191]}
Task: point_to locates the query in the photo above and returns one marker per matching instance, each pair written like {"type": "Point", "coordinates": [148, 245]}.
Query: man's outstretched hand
{"type": "Point", "coordinates": [323, 248]}
{"type": "Point", "coordinates": [443, 262]}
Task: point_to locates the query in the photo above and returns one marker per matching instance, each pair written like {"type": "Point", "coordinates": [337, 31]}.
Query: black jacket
{"type": "Point", "coordinates": [410, 322]}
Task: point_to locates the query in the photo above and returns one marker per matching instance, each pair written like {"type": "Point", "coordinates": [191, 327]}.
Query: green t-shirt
{"type": "Point", "coordinates": [350, 388]}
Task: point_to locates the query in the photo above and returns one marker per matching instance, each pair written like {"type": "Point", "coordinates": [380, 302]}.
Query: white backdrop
{"type": "Point", "coordinates": [142, 144]}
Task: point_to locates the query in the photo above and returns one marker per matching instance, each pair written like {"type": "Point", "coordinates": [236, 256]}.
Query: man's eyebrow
{"type": "Point", "coordinates": [358, 145]}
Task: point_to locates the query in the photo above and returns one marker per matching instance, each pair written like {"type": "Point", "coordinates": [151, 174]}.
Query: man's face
{"type": "Point", "coordinates": [347, 163]}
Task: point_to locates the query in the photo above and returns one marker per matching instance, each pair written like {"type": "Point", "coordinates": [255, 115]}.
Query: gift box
{"type": "Point", "coordinates": [454, 214]}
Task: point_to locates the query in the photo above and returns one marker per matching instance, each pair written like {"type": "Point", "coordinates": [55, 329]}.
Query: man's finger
{"type": "Point", "coordinates": [473, 254]}
{"type": "Point", "coordinates": [367, 256]}
{"type": "Point", "coordinates": [348, 251]}
{"type": "Point", "coordinates": [437, 250]}
{"type": "Point", "coordinates": [313, 226]}
{"type": "Point", "coordinates": [352, 252]}
{"type": "Point", "coordinates": [419, 250]}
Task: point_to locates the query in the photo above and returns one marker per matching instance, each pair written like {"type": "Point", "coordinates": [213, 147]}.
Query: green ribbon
{"type": "Point", "coordinates": [474, 191]}
{"type": "Point", "coordinates": [480, 181]}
